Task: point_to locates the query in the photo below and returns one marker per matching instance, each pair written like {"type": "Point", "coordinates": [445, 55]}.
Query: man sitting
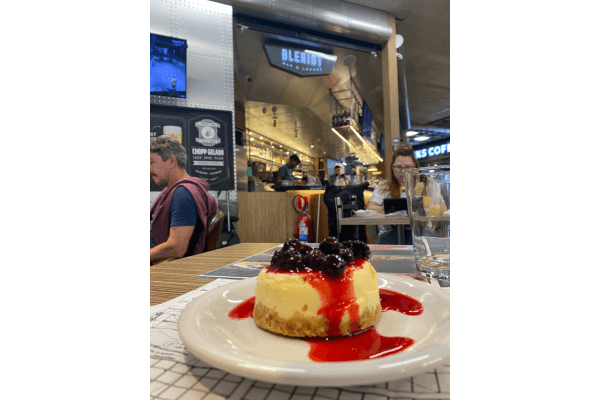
{"type": "Point", "coordinates": [179, 215]}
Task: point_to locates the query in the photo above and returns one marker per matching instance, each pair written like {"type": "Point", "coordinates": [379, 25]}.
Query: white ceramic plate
{"type": "Point", "coordinates": [242, 348]}
{"type": "Point", "coordinates": [365, 213]}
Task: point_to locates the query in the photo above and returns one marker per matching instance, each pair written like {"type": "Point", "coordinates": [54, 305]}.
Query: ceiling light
{"type": "Point", "coordinates": [364, 142]}
{"type": "Point", "coordinates": [349, 60]}
{"type": "Point", "coordinates": [399, 41]}
{"type": "Point", "coordinates": [287, 152]}
{"type": "Point", "coordinates": [251, 139]}
{"type": "Point", "coordinates": [358, 134]}
{"type": "Point", "coordinates": [421, 138]}
{"type": "Point", "coordinates": [411, 133]}
{"type": "Point", "coordinates": [341, 137]}
{"type": "Point", "coordinates": [261, 138]}
{"type": "Point", "coordinates": [249, 133]}
{"type": "Point", "coordinates": [312, 145]}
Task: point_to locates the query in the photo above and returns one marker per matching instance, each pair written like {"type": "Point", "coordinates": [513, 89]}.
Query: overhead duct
{"type": "Point", "coordinates": [329, 16]}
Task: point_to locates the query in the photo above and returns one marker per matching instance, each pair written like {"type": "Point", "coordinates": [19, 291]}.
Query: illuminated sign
{"type": "Point", "coordinates": [433, 151]}
{"type": "Point", "coordinates": [298, 61]}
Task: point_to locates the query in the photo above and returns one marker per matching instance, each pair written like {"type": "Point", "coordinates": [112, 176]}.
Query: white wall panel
{"type": "Point", "coordinates": [208, 29]}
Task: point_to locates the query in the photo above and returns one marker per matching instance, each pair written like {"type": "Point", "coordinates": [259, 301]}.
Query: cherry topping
{"type": "Point", "coordinates": [330, 245]}
{"type": "Point", "coordinates": [347, 255]}
{"type": "Point", "coordinates": [305, 249]}
{"type": "Point", "coordinates": [359, 249]}
{"type": "Point", "coordinates": [331, 257]}
{"type": "Point", "coordinates": [293, 243]}
{"type": "Point", "coordinates": [333, 265]}
{"type": "Point", "coordinates": [276, 260]}
{"type": "Point", "coordinates": [313, 260]}
{"type": "Point", "coordinates": [289, 260]}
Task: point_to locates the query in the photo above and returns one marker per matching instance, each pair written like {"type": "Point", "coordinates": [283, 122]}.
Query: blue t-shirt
{"type": "Point", "coordinates": [183, 213]}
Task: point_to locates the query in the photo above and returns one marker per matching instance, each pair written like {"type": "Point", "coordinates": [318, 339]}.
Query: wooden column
{"type": "Point", "coordinates": [391, 106]}
{"type": "Point", "coordinates": [324, 169]}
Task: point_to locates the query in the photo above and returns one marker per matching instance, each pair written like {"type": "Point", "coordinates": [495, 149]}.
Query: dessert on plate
{"type": "Point", "coordinates": [326, 291]}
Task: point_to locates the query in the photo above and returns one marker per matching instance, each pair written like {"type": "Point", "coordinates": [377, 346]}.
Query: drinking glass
{"type": "Point", "coordinates": [428, 195]}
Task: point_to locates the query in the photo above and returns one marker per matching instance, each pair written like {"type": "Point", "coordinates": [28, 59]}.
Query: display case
{"type": "Point", "coordinates": [273, 155]}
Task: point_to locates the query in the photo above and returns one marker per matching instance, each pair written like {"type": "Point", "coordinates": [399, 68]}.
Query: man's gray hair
{"type": "Point", "coordinates": [167, 146]}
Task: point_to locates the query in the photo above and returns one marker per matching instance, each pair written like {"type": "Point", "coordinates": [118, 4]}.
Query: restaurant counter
{"type": "Point", "coordinates": [270, 217]}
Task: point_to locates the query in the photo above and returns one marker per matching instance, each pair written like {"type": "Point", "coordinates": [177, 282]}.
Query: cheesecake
{"type": "Point", "coordinates": [327, 291]}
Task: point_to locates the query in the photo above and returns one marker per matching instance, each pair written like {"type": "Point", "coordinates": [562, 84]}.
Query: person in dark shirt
{"type": "Point", "coordinates": [285, 172]}
{"type": "Point", "coordinates": [338, 178]}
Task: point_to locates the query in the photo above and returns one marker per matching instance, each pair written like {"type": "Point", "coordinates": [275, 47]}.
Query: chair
{"type": "Point", "coordinates": [349, 198]}
{"type": "Point", "coordinates": [342, 210]}
{"type": "Point", "coordinates": [215, 225]}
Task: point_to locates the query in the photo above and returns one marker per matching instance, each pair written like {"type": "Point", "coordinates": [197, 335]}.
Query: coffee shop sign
{"type": "Point", "coordinates": [433, 151]}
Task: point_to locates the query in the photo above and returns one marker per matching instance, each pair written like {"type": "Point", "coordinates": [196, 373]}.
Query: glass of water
{"type": "Point", "coordinates": [428, 194]}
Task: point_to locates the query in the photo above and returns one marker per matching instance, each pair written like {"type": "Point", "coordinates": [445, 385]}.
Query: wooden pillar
{"type": "Point", "coordinates": [322, 167]}
{"type": "Point", "coordinates": [391, 105]}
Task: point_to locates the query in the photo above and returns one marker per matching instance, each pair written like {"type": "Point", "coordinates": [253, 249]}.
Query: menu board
{"type": "Point", "coordinates": [207, 136]}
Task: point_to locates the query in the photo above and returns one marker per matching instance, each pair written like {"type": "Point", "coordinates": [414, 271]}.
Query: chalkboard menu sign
{"type": "Point", "coordinates": [207, 136]}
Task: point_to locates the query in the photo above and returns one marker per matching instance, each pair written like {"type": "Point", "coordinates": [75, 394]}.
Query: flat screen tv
{"type": "Point", "coordinates": [168, 66]}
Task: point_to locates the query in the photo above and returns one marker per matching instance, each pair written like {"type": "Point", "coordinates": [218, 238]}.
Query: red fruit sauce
{"type": "Point", "coordinates": [394, 301]}
{"type": "Point", "coordinates": [243, 310]}
{"type": "Point", "coordinates": [362, 345]}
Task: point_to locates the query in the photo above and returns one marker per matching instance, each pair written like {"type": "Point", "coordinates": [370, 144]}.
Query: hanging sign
{"type": "Point", "coordinates": [299, 61]}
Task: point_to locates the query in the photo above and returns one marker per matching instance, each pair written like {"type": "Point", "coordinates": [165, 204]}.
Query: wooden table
{"type": "Point", "coordinates": [174, 278]}
{"type": "Point", "coordinates": [380, 220]}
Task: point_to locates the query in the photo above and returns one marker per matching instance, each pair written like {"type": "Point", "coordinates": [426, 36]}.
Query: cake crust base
{"type": "Point", "coordinates": [304, 326]}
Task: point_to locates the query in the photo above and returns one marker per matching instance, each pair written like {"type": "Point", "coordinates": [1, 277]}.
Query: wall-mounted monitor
{"type": "Point", "coordinates": [168, 59]}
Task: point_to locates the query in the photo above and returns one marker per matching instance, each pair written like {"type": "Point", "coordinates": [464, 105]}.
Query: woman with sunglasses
{"type": "Point", "coordinates": [403, 158]}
